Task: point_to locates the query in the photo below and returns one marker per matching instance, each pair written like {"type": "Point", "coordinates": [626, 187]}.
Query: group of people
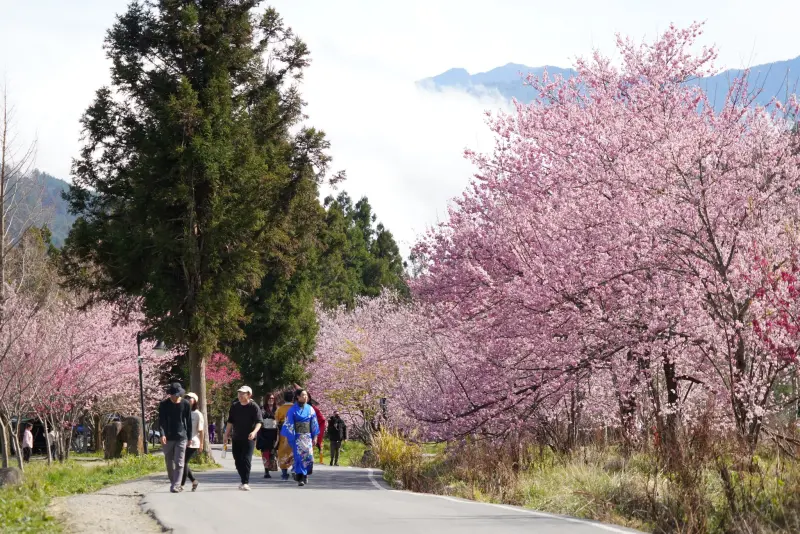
{"type": "Point", "coordinates": [286, 435]}
{"type": "Point", "coordinates": [182, 435]}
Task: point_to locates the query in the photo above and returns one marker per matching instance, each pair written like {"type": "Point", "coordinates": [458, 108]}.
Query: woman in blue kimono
{"type": "Point", "coordinates": [300, 429]}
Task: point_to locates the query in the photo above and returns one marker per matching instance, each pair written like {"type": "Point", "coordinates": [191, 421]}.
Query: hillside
{"type": "Point", "coordinates": [771, 79]}
{"type": "Point", "coordinates": [44, 199]}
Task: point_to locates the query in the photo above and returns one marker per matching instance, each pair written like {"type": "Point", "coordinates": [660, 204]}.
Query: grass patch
{"type": "Point", "coordinates": [23, 509]}
{"type": "Point", "coordinates": [349, 455]}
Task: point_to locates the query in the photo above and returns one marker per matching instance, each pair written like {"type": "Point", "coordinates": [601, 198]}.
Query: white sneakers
{"type": "Point", "coordinates": [244, 487]}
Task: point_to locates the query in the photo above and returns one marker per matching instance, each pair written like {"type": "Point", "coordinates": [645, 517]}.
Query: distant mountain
{"type": "Point", "coordinates": [773, 80]}
{"type": "Point", "coordinates": [56, 213]}
{"type": "Point", "coordinates": [506, 80]}
{"type": "Point", "coordinates": [43, 202]}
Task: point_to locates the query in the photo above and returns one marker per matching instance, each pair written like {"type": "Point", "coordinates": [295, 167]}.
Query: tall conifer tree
{"type": "Point", "coordinates": [190, 186]}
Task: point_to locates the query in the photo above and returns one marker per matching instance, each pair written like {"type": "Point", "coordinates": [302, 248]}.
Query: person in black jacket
{"type": "Point", "coordinates": [175, 421]}
{"type": "Point", "coordinates": [267, 439]}
{"type": "Point", "coordinates": [337, 433]}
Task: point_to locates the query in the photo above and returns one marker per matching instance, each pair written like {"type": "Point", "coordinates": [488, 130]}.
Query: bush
{"type": "Point", "coordinates": [400, 460]}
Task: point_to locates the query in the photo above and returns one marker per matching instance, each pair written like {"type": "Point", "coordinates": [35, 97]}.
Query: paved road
{"type": "Point", "coordinates": [340, 500]}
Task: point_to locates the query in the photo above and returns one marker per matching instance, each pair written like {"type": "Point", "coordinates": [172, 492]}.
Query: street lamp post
{"type": "Point", "coordinates": [159, 348]}
{"type": "Point", "coordinates": [145, 437]}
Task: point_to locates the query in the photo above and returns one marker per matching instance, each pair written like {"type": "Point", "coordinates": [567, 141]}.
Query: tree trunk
{"type": "Point", "coordinates": [98, 432]}
{"type": "Point", "coordinates": [65, 441]}
{"type": "Point", "coordinates": [197, 365]}
{"type": "Point", "coordinates": [5, 449]}
{"type": "Point", "coordinates": [18, 445]}
{"type": "Point", "coordinates": [47, 442]}
{"type": "Point", "coordinates": [670, 438]}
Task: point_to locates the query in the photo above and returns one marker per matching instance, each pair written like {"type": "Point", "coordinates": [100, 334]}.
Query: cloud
{"type": "Point", "coordinates": [402, 146]}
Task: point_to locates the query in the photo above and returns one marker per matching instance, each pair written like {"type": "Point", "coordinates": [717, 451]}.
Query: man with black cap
{"type": "Point", "coordinates": [175, 421]}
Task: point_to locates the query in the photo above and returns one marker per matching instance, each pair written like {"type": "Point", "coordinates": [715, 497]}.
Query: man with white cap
{"type": "Point", "coordinates": [244, 419]}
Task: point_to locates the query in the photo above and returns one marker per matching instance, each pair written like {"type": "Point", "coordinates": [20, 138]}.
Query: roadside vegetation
{"type": "Point", "coordinates": [704, 494]}
{"type": "Point", "coordinates": [23, 509]}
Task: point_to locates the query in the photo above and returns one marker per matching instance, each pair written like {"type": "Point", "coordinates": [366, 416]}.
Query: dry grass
{"type": "Point", "coordinates": [704, 494]}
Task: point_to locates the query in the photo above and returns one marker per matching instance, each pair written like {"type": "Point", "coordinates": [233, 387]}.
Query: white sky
{"type": "Point", "coordinates": [401, 147]}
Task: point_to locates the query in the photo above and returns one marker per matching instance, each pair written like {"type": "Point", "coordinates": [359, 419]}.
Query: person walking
{"type": "Point", "coordinates": [337, 434]}
{"type": "Point", "coordinates": [175, 422]}
{"type": "Point", "coordinates": [212, 430]}
{"type": "Point", "coordinates": [320, 421]}
{"type": "Point", "coordinates": [196, 440]}
{"type": "Point", "coordinates": [268, 436]}
{"type": "Point", "coordinates": [300, 429]}
{"type": "Point", "coordinates": [27, 442]}
{"type": "Point", "coordinates": [285, 457]}
{"type": "Point", "coordinates": [244, 420]}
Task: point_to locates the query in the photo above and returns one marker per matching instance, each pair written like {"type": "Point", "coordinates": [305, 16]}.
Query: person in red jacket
{"type": "Point", "coordinates": [322, 423]}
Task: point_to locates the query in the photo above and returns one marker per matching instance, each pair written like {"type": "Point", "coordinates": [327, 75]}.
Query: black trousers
{"type": "Point", "coordinates": [243, 457]}
{"type": "Point", "coordinates": [26, 454]}
{"type": "Point", "coordinates": [336, 446]}
{"type": "Point", "coordinates": [187, 471]}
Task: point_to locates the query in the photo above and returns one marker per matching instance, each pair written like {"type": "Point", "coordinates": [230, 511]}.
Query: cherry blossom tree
{"type": "Point", "coordinates": [599, 269]}
{"type": "Point", "coordinates": [356, 360]}
{"type": "Point", "coordinates": [222, 377]}
{"type": "Point", "coordinates": [67, 361]}
{"type": "Point", "coordinates": [607, 231]}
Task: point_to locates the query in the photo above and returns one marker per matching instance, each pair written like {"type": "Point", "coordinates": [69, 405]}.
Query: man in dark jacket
{"type": "Point", "coordinates": [337, 433]}
{"type": "Point", "coordinates": [175, 421]}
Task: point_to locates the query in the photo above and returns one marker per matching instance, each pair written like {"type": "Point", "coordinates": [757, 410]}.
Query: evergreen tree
{"type": "Point", "coordinates": [350, 257]}
{"type": "Point", "coordinates": [189, 187]}
{"type": "Point", "coordinates": [358, 258]}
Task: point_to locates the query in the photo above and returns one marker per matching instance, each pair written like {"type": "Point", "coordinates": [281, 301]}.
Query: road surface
{"type": "Point", "coordinates": [340, 500]}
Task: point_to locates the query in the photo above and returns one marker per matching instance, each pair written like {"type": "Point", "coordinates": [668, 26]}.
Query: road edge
{"type": "Point", "coordinates": [381, 484]}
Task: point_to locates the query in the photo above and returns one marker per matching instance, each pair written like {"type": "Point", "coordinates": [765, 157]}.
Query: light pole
{"type": "Point", "coordinates": [159, 347]}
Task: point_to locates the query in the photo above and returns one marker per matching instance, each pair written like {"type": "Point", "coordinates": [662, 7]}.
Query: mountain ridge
{"type": "Point", "coordinates": [773, 79]}
{"type": "Point", "coordinates": [41, 204]}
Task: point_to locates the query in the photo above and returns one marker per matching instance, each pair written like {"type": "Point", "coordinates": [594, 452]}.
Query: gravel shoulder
{"type": "Point", "coordinates": [113, 509]}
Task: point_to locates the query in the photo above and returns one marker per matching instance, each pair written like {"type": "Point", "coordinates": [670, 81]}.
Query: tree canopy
{"type": "Point", "coordinates": [351, 256]}
{"type": "Point", "coordinates": [192, 181]}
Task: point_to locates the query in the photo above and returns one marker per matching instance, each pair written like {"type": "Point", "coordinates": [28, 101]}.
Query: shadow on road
{"type": "Point", "coordinates": [321, 479]}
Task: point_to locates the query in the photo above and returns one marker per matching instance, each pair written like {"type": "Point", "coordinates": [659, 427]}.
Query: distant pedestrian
{"type": "Point", "coordinates": [268, 436]}
{"type": "Point", "coordinates": [212, 432]}
{"type": "Point", "coordinates": [175, 422]}
{"type": "Point", "coordinates": [301, 428]}
{"type": "Point", "coordinates": [321, 421]}
{"type": "Point", "coordinates": [337, 434]}
{"type": "Point", "coordinates": [196, 441]}
{"type": "Point", "coordinates": [27, 442]}
{"type": "Point", "coordinates": [244, 420]}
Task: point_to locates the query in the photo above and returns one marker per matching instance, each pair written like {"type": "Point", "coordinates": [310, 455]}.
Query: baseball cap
{"type": "Point", "coordinates": [245, 389]}
{"type": "Point", "coordinates": [194, 396]}
{"type": "Point", "coordinates": [176, 389]}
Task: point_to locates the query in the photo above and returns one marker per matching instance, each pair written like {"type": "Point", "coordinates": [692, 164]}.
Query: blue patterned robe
{"type": "Point", "coordinates": [303, 443]}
